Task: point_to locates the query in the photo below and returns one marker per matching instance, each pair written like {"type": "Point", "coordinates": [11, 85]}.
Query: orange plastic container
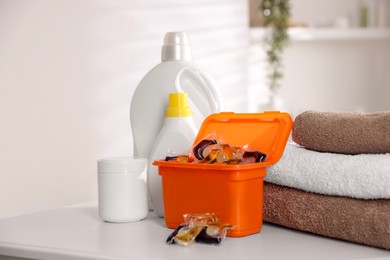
{"type": "Point", "coordinates": [235, 192]}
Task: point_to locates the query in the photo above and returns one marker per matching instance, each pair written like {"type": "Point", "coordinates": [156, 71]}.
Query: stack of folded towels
{"type": "Point", "coordinates": [335, 179]}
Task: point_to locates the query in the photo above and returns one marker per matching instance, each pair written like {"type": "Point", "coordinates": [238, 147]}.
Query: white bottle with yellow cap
{"type": "Point", "coordinates": [175, 137]}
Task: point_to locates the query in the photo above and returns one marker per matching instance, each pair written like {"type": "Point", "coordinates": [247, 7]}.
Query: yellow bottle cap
{"type": "Point", "coordinates": [178, 105]}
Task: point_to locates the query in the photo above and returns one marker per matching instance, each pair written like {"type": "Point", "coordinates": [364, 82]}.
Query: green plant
{"type": "Point", "coordinates": [276, 14]}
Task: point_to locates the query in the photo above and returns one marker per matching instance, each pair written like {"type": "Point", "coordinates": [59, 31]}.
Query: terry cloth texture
{"type": "Point", "coordinates": [355, 220]}
{"type": "Point", "coordinates": [363, 176]}
{"type": "Point", "coordinates": [343, 132]}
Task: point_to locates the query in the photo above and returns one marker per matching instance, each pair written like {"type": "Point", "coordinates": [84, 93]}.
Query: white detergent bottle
{"type": "Point", "coordinates": [149, 100]}
{"type": "Point", "coordinates": [176, 137]}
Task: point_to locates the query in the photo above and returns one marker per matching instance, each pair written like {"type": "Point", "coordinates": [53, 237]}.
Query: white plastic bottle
{"type": "Point", "coordinates": [176, 137]}
{"type": "Point", "coordinates": [149, 100]}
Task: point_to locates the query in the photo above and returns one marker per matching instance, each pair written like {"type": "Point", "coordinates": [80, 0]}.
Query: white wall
{"type": "Point", "coordinates": [338, 75]}
{"type": "Point", "coordinates": [327, 74]}
{"type": "Point", "coordinates": [341, 75]}
{"type": "Point", "coordinates": [67, 73]}
{"type": "Point", "coordinates": [324, 13]}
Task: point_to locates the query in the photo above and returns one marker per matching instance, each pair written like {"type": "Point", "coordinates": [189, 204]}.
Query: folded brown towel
{"type": "Point", "coordinates": [343, 132]}
{"type": "Point", "coordinates": [356, 220]}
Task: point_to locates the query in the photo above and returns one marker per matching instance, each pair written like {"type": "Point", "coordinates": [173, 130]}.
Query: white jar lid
{"type": "Point", "coordinates": [122, 165]}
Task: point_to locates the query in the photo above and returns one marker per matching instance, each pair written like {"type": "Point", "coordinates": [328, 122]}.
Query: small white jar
{"type": "Point", "coordinates": [122, 189]}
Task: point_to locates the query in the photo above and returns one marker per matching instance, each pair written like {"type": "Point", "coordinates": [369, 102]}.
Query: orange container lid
{"type": "Point", "coordinates": [266, 132]}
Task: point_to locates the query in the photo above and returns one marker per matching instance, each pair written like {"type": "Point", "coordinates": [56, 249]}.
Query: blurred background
{"type": "Point", "coordinates": [68, 70]}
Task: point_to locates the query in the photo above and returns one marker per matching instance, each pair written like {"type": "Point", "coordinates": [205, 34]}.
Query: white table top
{"type": "Point", "coordinates": [78, 233]}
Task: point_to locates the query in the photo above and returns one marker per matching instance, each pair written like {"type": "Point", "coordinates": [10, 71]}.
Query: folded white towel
{"type": "Point", "coordinates": [363, 176]}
